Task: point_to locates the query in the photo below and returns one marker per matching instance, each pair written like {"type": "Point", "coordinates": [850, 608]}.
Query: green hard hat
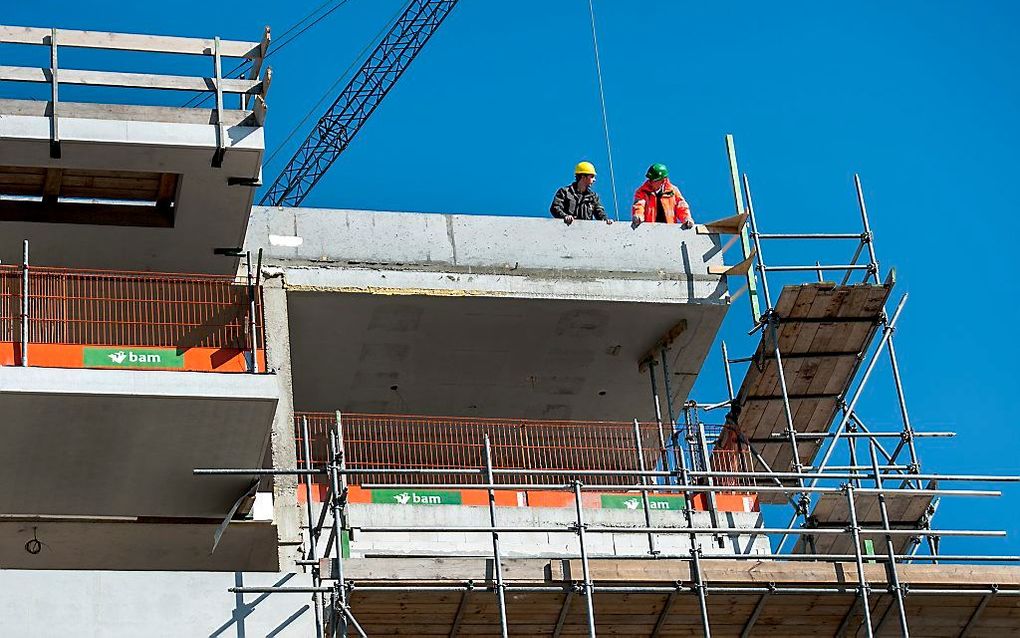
{"type": "Point", "coordinates": [657, 171]}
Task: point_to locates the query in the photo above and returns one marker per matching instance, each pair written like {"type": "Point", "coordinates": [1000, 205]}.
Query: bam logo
{"type": "Point", "coordinates": [120, 357]}
{"type": "Point", "coordinates": [132, 358]}
{"type": "Point", "coordinates": [416, 497]}
{"type": "Point", "coordinates": [619, 501]}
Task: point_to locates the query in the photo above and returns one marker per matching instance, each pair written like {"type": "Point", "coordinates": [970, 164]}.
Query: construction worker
{"type": "Point", "coordinates": [659, 201]}
{"type": "Point", "coordinates": [578, 200]}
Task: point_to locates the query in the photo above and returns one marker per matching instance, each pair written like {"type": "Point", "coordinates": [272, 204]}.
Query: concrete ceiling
{"type": "Point", "coordinates": [209, 214]}
{"type": "Point", "coordinates": [134, 545]}
{"type": "Point", "coordinates": [124, 443]}
{"type": "Point", "coordinates": [487, 356]}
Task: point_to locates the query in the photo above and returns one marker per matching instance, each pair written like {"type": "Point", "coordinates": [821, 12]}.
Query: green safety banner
{"type": "Point", "coordinates": [627, 502]}
{"type": "Point", "coordinates": [416, 497]}
{"type": "Point", "coordinates": [132, 358]}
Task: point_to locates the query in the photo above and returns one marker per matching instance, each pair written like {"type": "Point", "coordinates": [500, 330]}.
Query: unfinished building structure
{"type": "Point", "coordinates": [383, 423]}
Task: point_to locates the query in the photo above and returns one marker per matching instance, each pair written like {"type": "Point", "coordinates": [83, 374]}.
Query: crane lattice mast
{"type": "Point", "coordinates": [356, 103]}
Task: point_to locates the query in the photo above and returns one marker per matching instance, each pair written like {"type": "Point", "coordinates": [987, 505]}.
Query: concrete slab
{"type": "Point", "coordinates": [487, 316]}
{"type": "Point", "coordinates": [485, 356]}
{"type": "Point", "coordinates": [137, 544]}
{"type": "Point", "coordinates": [210, 213]}
{"type": "Point", "coordinates": [157, 604]}
{"type": "Point", "coordinates": [124, 443]}
{"type": "Point", "coordinates": [486, 244]}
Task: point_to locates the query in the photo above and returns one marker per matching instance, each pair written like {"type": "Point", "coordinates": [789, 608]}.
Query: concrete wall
{"type": "Point", "coordinates": [153, 604]}
{"type": "Point", "coordinates": [536, 544]}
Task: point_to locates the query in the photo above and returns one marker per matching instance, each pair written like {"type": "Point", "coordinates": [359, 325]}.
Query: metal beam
{"type": "Point", "coordinates": [976, 615]}
{"type": "Point", "coordinates": [460, 613]}
{"type": "Point", "coordinates": [749, 625]}
{"type": "Point", "coordinates": [668, 607]}
{"type": "Point", "coordinates": [564, 610]}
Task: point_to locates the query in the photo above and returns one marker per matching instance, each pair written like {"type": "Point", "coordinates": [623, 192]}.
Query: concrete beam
{"type": "Point", "coordinates": [286, 512]}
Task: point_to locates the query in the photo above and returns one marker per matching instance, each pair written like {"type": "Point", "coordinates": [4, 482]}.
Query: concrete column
{"type": "Point", "coordinates": [286, 512]}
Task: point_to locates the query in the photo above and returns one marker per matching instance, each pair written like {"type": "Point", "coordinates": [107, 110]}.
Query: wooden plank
{"type": "Point", "coordinates": [740, 268]}
{"type": "Point", "coordinates": [128, 41]}
{"type": "Point", "coordinates": [731, 225]}
{"type": "Point", "coordinates": [51, 185]}
{"type": "Point", "coordinates": [130, 80]}
{"type": "Point", "coordinates": [787, 297]}
{"type": "Point", "coordinates": [167, 190]}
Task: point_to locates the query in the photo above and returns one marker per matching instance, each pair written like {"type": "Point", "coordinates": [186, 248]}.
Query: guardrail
{"type": "Point", "coordinates": [59, 317]}
{"type": "Point", "coordinates": [373, 441]}
{"type": "Point", "coordinates": [250, 89]}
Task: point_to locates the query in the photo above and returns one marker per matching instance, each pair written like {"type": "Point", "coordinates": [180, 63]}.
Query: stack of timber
{"type": "Point", "coordinates": [823, 331]}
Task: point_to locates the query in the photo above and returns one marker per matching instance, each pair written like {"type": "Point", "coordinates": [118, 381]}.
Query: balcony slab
{"type": "Point", "coordinates": [124, 443]}
{"type": "Point", "coordinates": [488, 316]}
{"type": "Point", "coordinates": [209, 213]}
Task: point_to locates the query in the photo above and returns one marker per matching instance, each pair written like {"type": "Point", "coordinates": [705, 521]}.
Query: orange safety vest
{"type": "Point", "coordinates": [674, 206]}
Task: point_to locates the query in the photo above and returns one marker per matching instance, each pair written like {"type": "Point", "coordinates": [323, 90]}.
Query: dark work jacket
{"type": "Point", "coordinates": [586, 205]}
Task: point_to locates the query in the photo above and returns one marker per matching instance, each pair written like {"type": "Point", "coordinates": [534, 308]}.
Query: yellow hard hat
{"type": "Point", "coordinates": [584, 168]}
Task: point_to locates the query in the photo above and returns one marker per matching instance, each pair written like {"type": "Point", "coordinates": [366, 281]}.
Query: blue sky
{"type": "Point", "coordinates": [920, 98]}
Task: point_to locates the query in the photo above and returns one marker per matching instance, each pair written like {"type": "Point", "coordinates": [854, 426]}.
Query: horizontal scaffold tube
{"type": "Point", "coordinates": [728, 531]}
{"type": "Point", "coordinates": [849, 588]}
{"type": "Point", "coordinates": [673, 488]}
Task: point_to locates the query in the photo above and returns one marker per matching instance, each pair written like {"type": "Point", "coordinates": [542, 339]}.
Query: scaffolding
{"type": "Point", "coordinates": [819, 345]}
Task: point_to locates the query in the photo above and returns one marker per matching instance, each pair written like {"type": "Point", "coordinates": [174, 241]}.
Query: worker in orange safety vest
{"type": "Point", "coordinates": [657, 200]}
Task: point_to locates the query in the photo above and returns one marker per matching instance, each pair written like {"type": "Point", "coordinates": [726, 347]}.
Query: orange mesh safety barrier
{"type": "Point", "coordinates": [128, 309]}
{"type": "Point", "coordinates": [732, 461]}
{"type": "Point", "coordinates": [378, 441]}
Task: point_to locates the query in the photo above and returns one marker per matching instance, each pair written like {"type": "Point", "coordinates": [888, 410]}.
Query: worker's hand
{"type": "Point", "coordinates": [609, 221]}
{"type": "Point", "coordinates": [568, 219]}
{"type": "Point", "coordinates": [636, 221]}
{"type": "Point", "coordinates": [687, 224]}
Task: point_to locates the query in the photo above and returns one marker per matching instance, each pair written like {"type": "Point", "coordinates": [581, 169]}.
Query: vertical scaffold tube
{"type": "Point", "coordinates": [306, 449]}
{"type": "Point", "coordinates": [497, 568]}
{"type": "Point", "coordinates": [894, 575]}
{"type": "Point", "coordinates": [685, 479]}
{"type": "Point", "coordinates": [24, 304]}
{"type": "Point", "coordinates": [338, 493]}
{"type": "Point", "coordinates": [588, 586]}
{"type": "Point", "coordinates": [652, 549]}
{"type": "Point", "coordinates": [862, 582]}
{"type": "Point", "coordinates": [254, 367]}
{"type": "Point", "coordinates": [655, 402]}
{"type": "Point", "coordinates": [669, 408]}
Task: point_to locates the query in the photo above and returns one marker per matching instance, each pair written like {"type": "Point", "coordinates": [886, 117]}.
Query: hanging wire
{"type": "Point", "coordinates": [605, 117]}
{"type": "Point", "coordinates": [242, 68]}
{"type": "Point", "coordinates": [331, 91]}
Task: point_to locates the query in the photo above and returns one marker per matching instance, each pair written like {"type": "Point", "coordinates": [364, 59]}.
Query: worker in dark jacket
{"type": "Point", "coordinates": [578, 200]}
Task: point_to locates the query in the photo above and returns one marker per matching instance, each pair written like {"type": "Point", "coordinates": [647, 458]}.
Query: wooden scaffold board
{"type": "Point", "coordinates": [823, 331]}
